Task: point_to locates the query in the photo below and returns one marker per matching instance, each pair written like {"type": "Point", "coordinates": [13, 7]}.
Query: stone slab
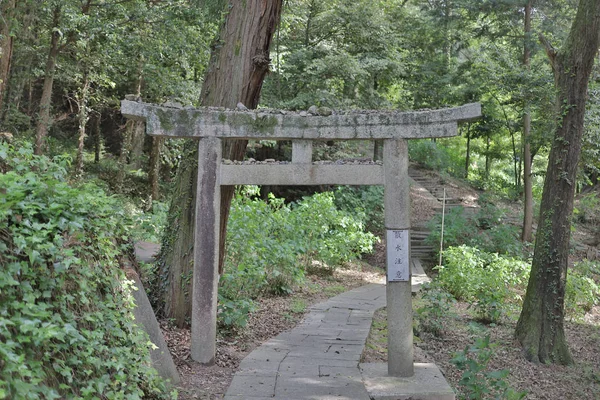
{"type": "Point", "coordinates": [251, 124]}
{"type": "Point", "coordinates": [428, 383]}
{"type": "Point", "coordinates": [144, 316]}
{"type": "Point", "coordinates": [252, 385]}
{"type": "Point", "coordinates": [301, 174]}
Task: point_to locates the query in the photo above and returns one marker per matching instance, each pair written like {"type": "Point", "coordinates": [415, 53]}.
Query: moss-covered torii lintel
{"type": "Point", "coordinates": [286, 125]}
{"type": "Point", "coordinates": [210, 125]}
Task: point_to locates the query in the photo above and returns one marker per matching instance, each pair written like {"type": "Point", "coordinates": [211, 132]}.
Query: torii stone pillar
{"type": "Point", "coordinates": [398, 288]}
{"type": "Point", "coordinates": [210, 125]}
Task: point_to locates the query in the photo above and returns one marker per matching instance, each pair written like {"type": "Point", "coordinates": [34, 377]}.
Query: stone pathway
{"type": "Point", "coordinates": [317, 360]}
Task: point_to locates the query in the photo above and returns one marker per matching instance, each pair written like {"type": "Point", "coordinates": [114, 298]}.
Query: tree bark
{"type": "Point", "coordinates": [82, 103]}
{"type": "Point", "coordinates": [6, 45]}
{"type": "Point", "coordinates": [238, 65]}
{"type": "Point", "coordinates": [527, 232]}
{"type": "Point", "coordinates": [97, 132]}
{"type": "Point", "coordinates": [45, 102]}
{"type": "Point", "coordinates": [468, 157]}
{"type": "Point", "coordinates": [154, 168]}
{"type": "Point", "coordinates": [540, 327]}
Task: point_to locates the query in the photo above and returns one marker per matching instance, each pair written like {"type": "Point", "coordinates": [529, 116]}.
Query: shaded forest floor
{"type": "Point", "coordinates": [542, 382]}
{"type": "Point", "coordinates": [277, 314]}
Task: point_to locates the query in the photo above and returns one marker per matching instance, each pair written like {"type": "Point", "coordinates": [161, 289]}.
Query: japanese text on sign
{"type": "Point", "coordinates": [398, 257]}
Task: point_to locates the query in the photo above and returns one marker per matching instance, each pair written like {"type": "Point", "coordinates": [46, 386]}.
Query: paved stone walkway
{"type": "Point", "coordinates": [317, 360]}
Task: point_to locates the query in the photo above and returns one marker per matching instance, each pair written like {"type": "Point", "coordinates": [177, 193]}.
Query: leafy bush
{"type": "Point", "coordinates": [483, 231]}
{"type": "Point", "coordinates": [427, 153]}
{"type": "Point", "coordinates": [148, 226]}
{"type": "Point", "coordinates": [477, 381]}
{"type": "Point", "coordinates": [364, 202]}
{"type": "Point", "coordinates": [271, 244]}
{"type": "Point", "coordinates": [66, 322]}
{"type": "Point", "coordinates": [458, 229]}
{"type": "Point", "coordinates": [587, 208]}
{"type": "Point", "coordinates": [583, 289]}
{"type": "Point", "coordinates": [485, 280]}
{"type": "Point", "coordinates": [431, 316]}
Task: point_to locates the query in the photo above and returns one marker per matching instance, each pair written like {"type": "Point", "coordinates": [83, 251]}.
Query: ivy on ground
{"type": "Point", "coordinates": [66, 322]}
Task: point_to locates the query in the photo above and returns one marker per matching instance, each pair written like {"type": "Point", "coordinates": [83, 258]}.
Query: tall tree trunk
{"type": "Point", "coordinates": [97, 132]}
{"type": "Point", "coordinates": [6, 45]}
{"type": "Point", "coordinates": [516, 175]}
{"type": "Point", "coordinates": [377, 150]}
{"type": "Point", "coordinates": [526, 234]}
{"type": "Point", "coordinates": [154, 168]}
{"type": "Point", "coordinates": [136, 151]}
{"type": "Point", "coordinates": [488, 159]}
{"type": "Point", "coordinates": [82, 103]}
{"type": "Point", "coordinates": [45, 102]}
{"type": "Point", "coordinates": [468, 157]}
{"type": "Point", "coordinates": [540, 327]}
{"type": "Point", "coordinates": [133, 129]}
{"type": "Point", "coordinates": [235, 74]}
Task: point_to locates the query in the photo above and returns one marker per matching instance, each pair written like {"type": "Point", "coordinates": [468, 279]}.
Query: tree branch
{"type": "Point", "coordinates": [550, 51]}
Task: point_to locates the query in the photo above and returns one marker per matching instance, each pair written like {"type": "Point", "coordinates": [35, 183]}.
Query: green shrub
{"type": "Point", "coordinates": [484, 231]}
{"type": "Point", "coordinates": [587, 208]}
{"type": "Point", "coordinates": [427, 153]}
{"type": "Point", "coordinates": [583, 290]}
{"type": "Point", "coordinates": [477, 381]}
{"type": "Point", "coordinates": [485, 280]}
{"type": "Point", "coordinates": [432, 315]}
{"type": "Point", "coordinates": [66, 322]}
{"type": "Point", "coordinates": [363, 202]}
{"type": "Point", "coordinates": [458, 229]}
{"type": "Point", "coordinates": [148, 226]}
{"type": "Point", "coordinates": [271, 244]}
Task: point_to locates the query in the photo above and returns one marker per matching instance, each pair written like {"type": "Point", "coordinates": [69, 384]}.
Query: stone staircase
{"type": "Point", "coordinates": [419, 248]}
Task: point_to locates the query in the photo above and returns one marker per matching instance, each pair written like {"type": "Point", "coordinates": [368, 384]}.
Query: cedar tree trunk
{"type": "Point", "coordinates": [154, 168]}
{"type": "Point", "coordinates": [526, 234]}
{"type": "Point", "coordinates": [83, 116]}
{"type": "Point", "coordinates": [540, 327]}
{"type": "Point", "coordinates": [238, 65]}
{"type": "Point", "coordinates": [6, 45]}
{"type": "Point", "coordinates": [45, 102]}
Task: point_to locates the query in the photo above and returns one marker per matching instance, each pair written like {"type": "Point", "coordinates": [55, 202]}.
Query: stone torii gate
{"type": "Point", "coordinates": [211, 125]}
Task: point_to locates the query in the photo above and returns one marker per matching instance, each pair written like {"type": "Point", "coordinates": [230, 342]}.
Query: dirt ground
{"type": "Point", "coordinates": [541, 382]}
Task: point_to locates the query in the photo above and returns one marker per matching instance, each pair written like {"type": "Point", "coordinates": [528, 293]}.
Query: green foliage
{"type": "Point", "coordinates": [491, 283]}
{"type": "Point", "coordinates": [66, 322]}
{"type": "Point", "coordinates": [588, 208]}
{"type": "Point", "coordinates": [233, 314]}
{"type": "Point", "coordinates": [487, 281]}
{"type": "Point", "coordinates": [364, 202]}
{"type": "Point", "coordinates": [477, 381]}
{"type": "Point", "coordinates": [583, 288]}
{"type": "Point", "coordinates": [458, 229]}
{"type": "Point", "coordinates": [434, 310]}
{"type": "Point", "coordinates": [298, 306]}
{"type": "Point", "coordinates": [148, 226]}
{"type": "Point", "coordinates": [427, 153]}
{"type": "Point", "coordinates": [271, 244]}
{"type": "Point", "coordinates": [483, 231]}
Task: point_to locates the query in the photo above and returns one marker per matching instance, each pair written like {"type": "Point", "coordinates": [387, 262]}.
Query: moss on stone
{"type": "Point", "coordinates": [164, 118]}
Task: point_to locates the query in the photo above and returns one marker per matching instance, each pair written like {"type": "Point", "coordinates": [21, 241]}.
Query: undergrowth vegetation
{"type": "Point", "coordinates": [494, 284]}
{"type": "Point", "coordinates": [271, 245]}
{"type": "Point", "coordinates": [486, 265]}
{"type": "Point", "coordinates": [66, 322]}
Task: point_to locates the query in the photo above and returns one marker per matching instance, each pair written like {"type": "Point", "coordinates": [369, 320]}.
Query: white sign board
{"type": "Point", "coordinates": [398, 257]}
